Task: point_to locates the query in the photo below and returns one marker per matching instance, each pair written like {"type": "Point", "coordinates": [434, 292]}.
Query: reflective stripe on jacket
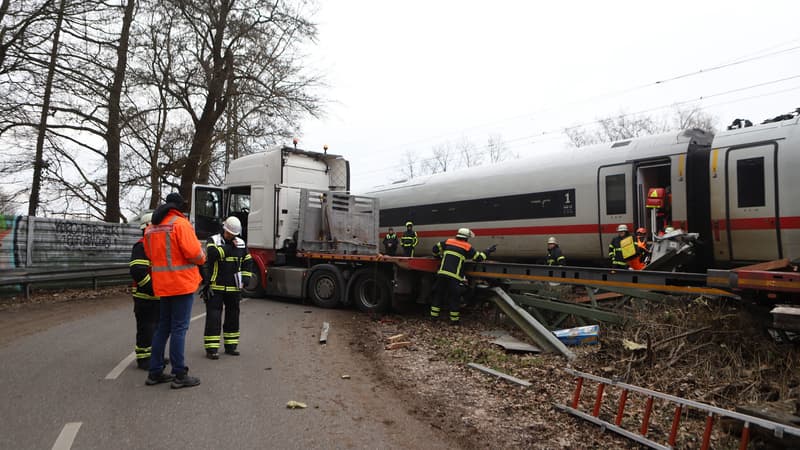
{"type": "Point", "coordinates": [453, 253]}
{"type": "Point", "coordinates": [555, 257]}
{"type": "Point", "coordinates": [226, 259]}
{"type": "Point", "coordinates": [142, 286]}
{"type": "Point", "coordinates": [409, 239]}
{"type": "Point", "coordinates": [175, 253]}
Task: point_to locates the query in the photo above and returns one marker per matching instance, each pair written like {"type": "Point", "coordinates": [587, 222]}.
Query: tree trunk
{"type": "Point", "coordinates": [113, 128]}
{"type": "Point", "coordinates": [38, 163]}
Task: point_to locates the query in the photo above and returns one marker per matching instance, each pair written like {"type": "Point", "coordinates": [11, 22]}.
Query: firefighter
{"type": "Point", "coordinates": [639, 261]}
{"type": "Point", "coordinates": [453, 253]}
{"type": "Point", "coordinates": [390, 242]}
{"type": "Point", "coordinates": [227, 270]}
{"type": "Point", "coordinates": [554, 255]}
{"type": "Point", "coordinates": [174, 254]}
{"type": "Point", "coordinates": [621, 248]}
{"type": "Point", "coordinates": [409, 240]}
{"type": "Point", "coordinates": [145, 303]}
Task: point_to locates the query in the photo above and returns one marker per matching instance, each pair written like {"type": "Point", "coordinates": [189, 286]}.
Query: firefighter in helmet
{"type": "Point", "coordinates": [409, 240]}
{"type": "Point", "coordinates": [554, 255]}
{"type": "Point", "coordinates": [639, 261]}
{"type": "Point", "coordinates": [145, 302]}
{"type": "Point", "coordinates": [228, 269]}
{"type": "Point", "coordinates": [453, 253]}
{"type": "Point", "coordinates": [390, 242]}
{"type": "Point", "coordinates": [621, 248]}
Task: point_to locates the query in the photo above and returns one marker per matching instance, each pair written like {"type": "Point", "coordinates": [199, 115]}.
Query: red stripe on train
{"type": "Point", "coordinates": [764, 223]}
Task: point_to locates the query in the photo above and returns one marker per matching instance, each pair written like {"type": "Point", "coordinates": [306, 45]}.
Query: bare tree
{"type": "Point", "coordinates": [468, 153]}
{"type": "Point", "coordinates": [443, 158]}
{"type": "Point", "coordinates": [497, 149]}
{"type": "Point", "coordinates": [409, 164]}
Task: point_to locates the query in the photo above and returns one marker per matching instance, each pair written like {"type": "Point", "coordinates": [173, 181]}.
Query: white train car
{"type": "Point", "coordinates": [735, 189]}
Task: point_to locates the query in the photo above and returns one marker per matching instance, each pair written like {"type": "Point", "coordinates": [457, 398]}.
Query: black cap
{"type": "Point", "coordinates": [176, 199]}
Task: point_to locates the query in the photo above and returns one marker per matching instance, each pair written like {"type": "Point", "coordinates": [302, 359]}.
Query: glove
{"type": "Point", "coordinates": [205, 292]}
{"type": "Point", "coordinates": [490, 250]}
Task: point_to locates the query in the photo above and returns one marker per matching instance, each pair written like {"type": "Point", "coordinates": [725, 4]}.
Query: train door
{"type": "Point", "coordinates": [751, 197]}
{"type": "Point", "coordinates": [615, 201]}
{"type": "Point", "coordinates": [653, 174]}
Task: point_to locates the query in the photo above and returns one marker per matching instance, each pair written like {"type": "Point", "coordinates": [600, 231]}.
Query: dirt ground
{"type": "Point", "coordinates": [712, 351]}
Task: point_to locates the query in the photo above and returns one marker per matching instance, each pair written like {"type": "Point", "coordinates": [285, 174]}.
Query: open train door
{"type": "Point", "coordinates": [751, 215]}
{"type": "Point", "coordinates": [615, 202]}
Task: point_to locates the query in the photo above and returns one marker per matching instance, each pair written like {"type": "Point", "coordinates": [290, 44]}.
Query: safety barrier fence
{"type": "Point", "coordinates": [27, 278]}
{"type": "Point", "coordinates": [712, 413]}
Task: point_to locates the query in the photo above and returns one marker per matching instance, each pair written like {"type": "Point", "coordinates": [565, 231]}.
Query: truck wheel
{"type": "Point", "coordinates": [371, 292]}
{"type": "Point", "coordinates": [254, 289]}
{"type": "Point", "coordinates": [324, 288]}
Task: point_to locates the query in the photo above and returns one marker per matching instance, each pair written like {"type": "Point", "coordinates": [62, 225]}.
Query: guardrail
{"type": "Point", "coordinates": [27, 278]}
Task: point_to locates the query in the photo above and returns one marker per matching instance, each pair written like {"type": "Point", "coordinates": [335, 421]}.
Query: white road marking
{"type": "Point", "coordinates": [67, 436]}
{"type": "Point", "coordinates": [119, 368]}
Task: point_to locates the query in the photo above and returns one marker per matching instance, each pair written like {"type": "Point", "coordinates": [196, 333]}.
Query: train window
{"type": "Point", "coordinates": [615, 194]}
{"type": "Point", "coordinates": [750, 182]}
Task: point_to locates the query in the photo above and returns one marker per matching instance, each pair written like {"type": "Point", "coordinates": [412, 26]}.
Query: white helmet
{"type": "Point", "coordinates": [622, 227]}
{"type": "Point", "coordinates": [232, 225]}
{"type": "Point", "coordinates": [669, 230]}
{"type": "Point", "coordinates": [465, 233]}
{"type": "Point", "coordinates": [146, 220]}
{"type": "Point", "coordinates": [552, 240]}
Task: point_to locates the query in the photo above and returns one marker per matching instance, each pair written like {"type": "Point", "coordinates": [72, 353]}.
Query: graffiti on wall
{"type": "Point", "coordinates": [82, 235]}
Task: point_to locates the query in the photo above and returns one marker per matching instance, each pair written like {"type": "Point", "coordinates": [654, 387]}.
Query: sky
{"type": "Point", "coordinates": [407, 76]}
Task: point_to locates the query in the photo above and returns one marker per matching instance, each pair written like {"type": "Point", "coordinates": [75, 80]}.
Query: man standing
{"type": "Point", "coordinates": [175, 254]}
{"type": "Point", "coordinates": [409, 240]}
{"type": "Point", "coordinates": [228, 268]}
{"type": "Point", "coordinates": [453, 253]}
{"type": "Point", "coordinates": [621, 248]}
{"type": "Point", "coordinates": [390, 242]}
{"type": "Point", "coordinates": [639, 262]}
{"type": "Point", "coordinates": [145, 303]}
{"type": "Point", "coordinates": [554, 255]}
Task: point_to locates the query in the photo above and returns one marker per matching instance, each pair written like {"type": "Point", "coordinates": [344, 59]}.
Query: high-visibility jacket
{"type": "Point", "coordinates": [229, 265]}
{"type": "Point", "coordinates": [409, 239]}
{"type": "Point", "coordinates": [555, 257]}
{"type": "Point", "coordinates": [619, 247]}
{"type": "Point", "coordinates": [453, 253]}
{"type": "Point", "coordinates": [390, 243]}
{"type": "Point", "coordinates": [142, 286]}
{"type": "Point", "coordinates": [174, 253]}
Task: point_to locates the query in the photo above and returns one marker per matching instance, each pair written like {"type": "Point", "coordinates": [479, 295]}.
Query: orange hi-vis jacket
{"type": "Point", "coordinates": [175, 254]}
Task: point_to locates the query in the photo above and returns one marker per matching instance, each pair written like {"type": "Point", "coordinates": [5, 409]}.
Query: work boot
{"type": "Point", "coordinates": [183, 380]}
{"type": "Point", "coordinates": [231, 351]}
{"type": "Point", "coordinates": [158, 379]}
{"type": "Point", "coordinates": [212, 355]}
{"type": "Point", "coordinates": [143, 363]}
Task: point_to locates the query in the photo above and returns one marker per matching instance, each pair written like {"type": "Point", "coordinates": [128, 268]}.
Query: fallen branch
{"type": "Point", "coordinates": [678, 336]}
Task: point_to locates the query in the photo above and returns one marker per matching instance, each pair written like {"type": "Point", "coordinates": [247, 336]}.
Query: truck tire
{"type": "Point", "coordinates": [325, 288]}
{"type": "Point", "coordinates": [371, 292]}
{"type": "Point", "coordinates": [254, 289]}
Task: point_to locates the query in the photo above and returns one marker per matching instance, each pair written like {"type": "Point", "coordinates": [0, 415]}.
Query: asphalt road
{"type": "Point", "coordinates": [60, 389]}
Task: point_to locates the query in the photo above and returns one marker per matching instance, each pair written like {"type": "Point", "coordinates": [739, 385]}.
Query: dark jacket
{"type": "Point", "coordinates": [555, 257]}
{"type": "Point", "coordinates": [390, 243]}
{"type": "Point", "coordinates": [453, 253]}
{"type": "Point", "coordinates": [142, 286]}
{"type": "Point", "coordinates": [226, 261]}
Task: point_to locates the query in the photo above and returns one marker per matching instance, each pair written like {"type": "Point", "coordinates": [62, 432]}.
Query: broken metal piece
{"type": "Point", "coordinates": [323, 336]}
{"type": "Point", "coordinates": [509, 342]}
{"type": "Point", "coordinates": [502, 375]}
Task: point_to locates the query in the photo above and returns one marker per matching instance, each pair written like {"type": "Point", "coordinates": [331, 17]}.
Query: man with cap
{"type": "Point", "coordinates": [175, 256]}
{"type": "Point", "coordinates": [453, 253]}
{"type": "Point", "coordinates": [145, 303]}
{"type": "Point", "coordinates": [409, 240]}
{"type": "Point", "coordinates": [554, 255]}
{"type": "Point", "coordinates": [390, 242]}
{"type": "Point", "coordinates": [228, 268]}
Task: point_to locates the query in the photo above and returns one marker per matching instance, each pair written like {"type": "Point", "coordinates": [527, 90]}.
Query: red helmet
{"type": "Point", "coordinates": [641, 231]}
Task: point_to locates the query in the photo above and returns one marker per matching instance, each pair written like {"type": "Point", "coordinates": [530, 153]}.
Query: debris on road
{"type": "Point", "coordinates": [633, 346]}
{"type": "Point", "coordinates": [511, 343]}
{"type": "Point", "coordinates": [345, 377]}
{"type": "Point", "coordinates": [579, 335]}
{"type": "Point", "coordinates": [502, 375]}
{"type": "Point", "coordinates": [291, 404]}
{"type": "Point", "coordinates": [323, 336]}
{"type": "Point", "coordinates": [396, 338]}
{"type": "Point", "coordinates": [396, 345]}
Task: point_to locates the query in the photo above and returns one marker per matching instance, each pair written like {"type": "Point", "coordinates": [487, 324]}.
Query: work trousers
{"type": "Point", "coordinates": [230, 328]}
{"type": "Point", "coordinates": [173, 323]}
{"type": "Point", "coordinates": [146, 313]}
{"type": "Point", "coordinates": [447, 291]}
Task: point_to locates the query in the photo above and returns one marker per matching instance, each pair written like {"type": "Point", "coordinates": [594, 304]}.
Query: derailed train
{"type": "Point", "coordinates": [738, 189]}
